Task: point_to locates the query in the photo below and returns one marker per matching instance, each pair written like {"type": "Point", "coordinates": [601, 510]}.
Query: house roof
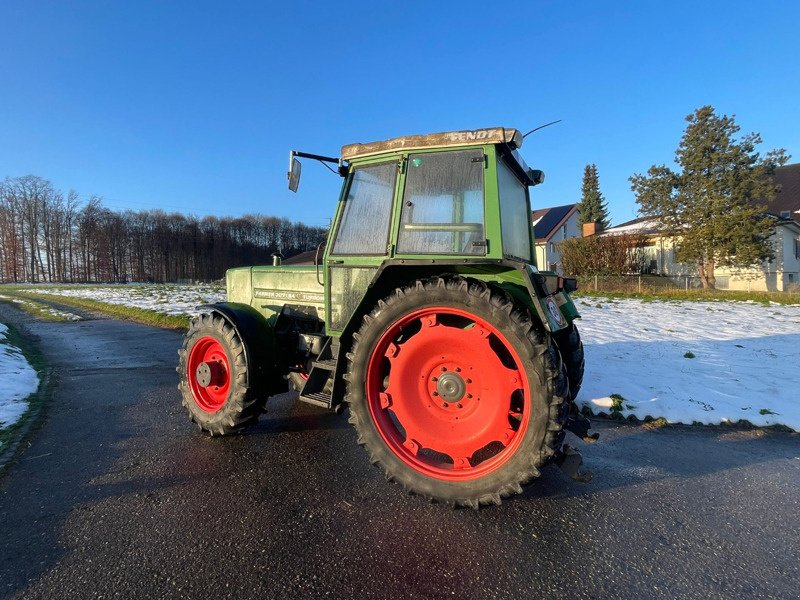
{"type": "Point", "coordinates": [547, 220]}
{"type": "Point", "coordinates": [304, 258]}
{"type": "Point", "coordinates": [651, 226]}
{"type": "Point", "coordinates": [787, 199]}
{"type": "Point", "coordinates": [640, 225]}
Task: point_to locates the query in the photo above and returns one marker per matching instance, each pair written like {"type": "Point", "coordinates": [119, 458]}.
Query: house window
{"type": "Point", "coordinates": [785, 214]}
{"type": "Point", "coordinates": [564, 232]}
{"type": "Point", "coordinates": [797, 248]}
{"type": "Point", "coordinates": [552, 247]}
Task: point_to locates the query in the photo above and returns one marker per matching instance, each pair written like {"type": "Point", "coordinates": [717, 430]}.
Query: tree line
{"type": "Point", "coordinates": [49, 236]}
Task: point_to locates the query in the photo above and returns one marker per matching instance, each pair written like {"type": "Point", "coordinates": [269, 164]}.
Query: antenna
{"type": "Point", "coordinates": [541, 127]}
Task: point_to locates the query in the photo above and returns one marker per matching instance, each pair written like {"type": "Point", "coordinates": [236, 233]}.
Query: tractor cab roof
{"type": "Point", "coordinates": [509, 137]}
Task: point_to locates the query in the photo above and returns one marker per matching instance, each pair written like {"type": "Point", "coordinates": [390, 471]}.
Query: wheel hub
{"type": "Point", "coordinates": [209, 373]}
{"type": "Point", "coordinates": [451, 387]}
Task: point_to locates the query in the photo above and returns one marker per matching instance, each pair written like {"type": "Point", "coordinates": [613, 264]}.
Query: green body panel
{"type": "Point", "coordinates": [268, 289]}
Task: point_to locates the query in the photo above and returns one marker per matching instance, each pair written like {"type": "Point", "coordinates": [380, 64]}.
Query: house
{"type": "Point", "coordinates": [786, 203]}
{"type": "Point", "coordinates": [550, 226]}
{"type": "Point", "coordinates": [781, 274]}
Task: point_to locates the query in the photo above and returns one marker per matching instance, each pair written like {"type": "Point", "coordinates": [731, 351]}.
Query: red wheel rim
{"type": "Point", "coordinates": [447, 394]}
{"type": "Point", "coordinates": [208, 374]}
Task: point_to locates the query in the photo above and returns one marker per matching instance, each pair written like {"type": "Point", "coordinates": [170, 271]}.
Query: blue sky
{"type": "Point", "coordinates": [193, 106]}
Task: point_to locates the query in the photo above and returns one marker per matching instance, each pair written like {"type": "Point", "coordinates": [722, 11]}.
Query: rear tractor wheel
{"type": "Point", "coordinates": [215, 386]}
{"type": "Point", "coordinates": [455, 393]}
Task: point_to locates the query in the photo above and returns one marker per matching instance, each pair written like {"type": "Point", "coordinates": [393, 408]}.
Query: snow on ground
{"type": "Point", "coordinates": [168, 299]}
{"type": "Point", "coordinates": [707, 362]}
{"type": "Point", "coordinates": [19, 381]}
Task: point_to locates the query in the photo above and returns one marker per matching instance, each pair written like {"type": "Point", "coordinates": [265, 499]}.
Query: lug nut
{"type": "Point", "coordinates": [469, 395]}
{"type": "Point", "coordinates": [435, 393]}
{"type": "Point", "coordinates": [444, 369]}
{"type": "Point", "coordinates": [434, 379]}
{"type": "Point", "coordinates": [445, 404]}
{"type": "Point", "coordinates": [459, 405]}
{"type": "Point", "coordinates": [458, 369]}
{"type": "Point", "coordinates": [468, 380]}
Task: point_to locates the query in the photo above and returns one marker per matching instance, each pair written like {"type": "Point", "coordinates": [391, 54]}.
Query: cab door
{"type": "Point", "coordinates": [360, 240]}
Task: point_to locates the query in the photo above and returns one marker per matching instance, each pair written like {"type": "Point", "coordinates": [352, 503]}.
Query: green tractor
{"type": "Point", "coordinates": [425, 316]}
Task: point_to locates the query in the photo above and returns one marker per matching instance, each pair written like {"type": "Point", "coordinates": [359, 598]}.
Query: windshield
{"type": "Point", "coordinates": [514, 215]}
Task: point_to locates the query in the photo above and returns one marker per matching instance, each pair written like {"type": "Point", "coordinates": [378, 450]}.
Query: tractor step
{"type": "Point", "coordinates": [328, 365]}
{"type": "Point", "coordinates": [317, 388]}
{"type": "Point", "coordinates": [317, 399]}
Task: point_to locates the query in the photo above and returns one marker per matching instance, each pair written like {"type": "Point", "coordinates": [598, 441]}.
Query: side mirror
{"type": "Point", "coordinates": [536, 176]}
{"type": "Point", "coordinates": [294, 174]}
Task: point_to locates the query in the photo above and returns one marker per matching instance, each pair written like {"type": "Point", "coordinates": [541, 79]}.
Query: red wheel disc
{"type": "Point", "coordinates": [208, 372]}
{"type": "Point", "coordinates": [447, 393]}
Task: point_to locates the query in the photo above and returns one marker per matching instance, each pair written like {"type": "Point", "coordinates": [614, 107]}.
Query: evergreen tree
{"type": "Point", "coordinates": [715, 206]}
{"type": "Point", "coordinates": [592, 208]}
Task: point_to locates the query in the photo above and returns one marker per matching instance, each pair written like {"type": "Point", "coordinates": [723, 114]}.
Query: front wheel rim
{"type": "Point", "coordinates": [448, 394]}
{"type": "Point", "coordinates": [208, 373]}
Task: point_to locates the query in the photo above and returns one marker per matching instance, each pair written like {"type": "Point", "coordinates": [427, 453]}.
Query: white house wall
{"type": "Point", "coordinates": [778, 275]}
{"type": "Point", "coordinates": [790, 260]}
{"type": "Point", "coordinates": [547, 254]}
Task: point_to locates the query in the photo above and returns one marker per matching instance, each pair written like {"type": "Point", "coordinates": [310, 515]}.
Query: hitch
{"type": "Point", "coordinates": [570, 461]}
{"type": "Point", "coordinates": [580, 425]}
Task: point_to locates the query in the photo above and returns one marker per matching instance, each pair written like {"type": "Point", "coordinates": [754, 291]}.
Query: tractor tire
{"type": "Point", "coordinates": [214, 376]}
{"type": "Point", "coordinates": [455, 393]}
{"type": "Point", "coordinates": [571, 348]}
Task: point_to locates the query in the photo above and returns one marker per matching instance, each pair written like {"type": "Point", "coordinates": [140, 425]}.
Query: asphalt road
{"type": "Point", "coordinates": [119, 495]}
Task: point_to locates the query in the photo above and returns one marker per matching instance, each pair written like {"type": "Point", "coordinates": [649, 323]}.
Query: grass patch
{"type": "Point", "coordinates": [656, 423]}
{"type": "Point", "coordinates": [616, 405]}
{"type": "Point", "coordinates": [766, 411]}
{"type": "Point", "coordinates": [39, 310]}
{"type": "Point", "coordinates": [11, 434]}
{"type": "Point", "coordinates": [698, 295]}
{"type": "Point", "coordinates": [688, 354]}
{"type": "Point", "coordinates": [117, 311]}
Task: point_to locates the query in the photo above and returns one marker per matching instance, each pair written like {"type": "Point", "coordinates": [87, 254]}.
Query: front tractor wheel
{"type": "Point", "coordinates": [214, 385]}
{"type": "Point", "coordinates": [454, 392]}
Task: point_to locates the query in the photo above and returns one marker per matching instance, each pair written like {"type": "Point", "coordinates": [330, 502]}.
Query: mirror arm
{"type": "Point", "coordinates": [342, 168]}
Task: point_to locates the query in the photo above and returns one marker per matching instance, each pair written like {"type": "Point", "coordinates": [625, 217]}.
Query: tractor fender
{"type": "Point", "coordinates": [258, 340]}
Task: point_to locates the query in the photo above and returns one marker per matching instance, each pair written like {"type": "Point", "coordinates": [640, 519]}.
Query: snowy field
{"type": "Point", "coordinates": [706, 362]}
{"type": "Point", "coordinates": [19, 381]}
{"type": "Point", "coordinates": [168, 299]}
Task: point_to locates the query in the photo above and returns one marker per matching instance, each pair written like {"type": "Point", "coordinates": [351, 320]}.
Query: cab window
{"type": "Point", "coordinates": [364, 227]}
{"type": "Point", "coordinates": [442, 211]}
